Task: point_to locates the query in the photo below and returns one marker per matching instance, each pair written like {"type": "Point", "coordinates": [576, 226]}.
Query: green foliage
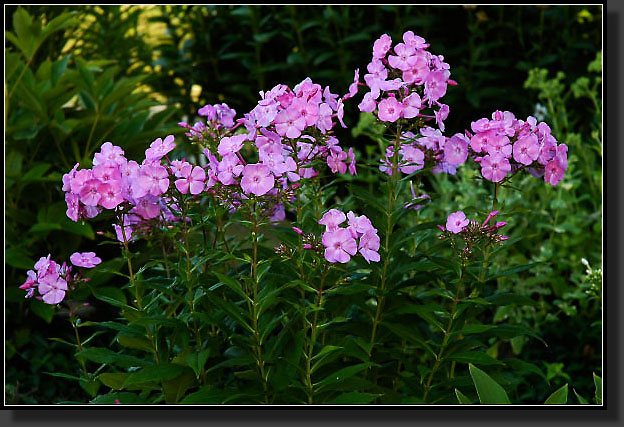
{"type": "Point", "coordinates": [212, 315]}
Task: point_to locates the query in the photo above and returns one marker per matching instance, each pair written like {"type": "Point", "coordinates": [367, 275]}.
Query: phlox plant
{"type": "Point", "coordinates": [250, 280]}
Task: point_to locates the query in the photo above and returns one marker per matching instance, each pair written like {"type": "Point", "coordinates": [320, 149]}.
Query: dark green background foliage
{"type": "Point", "coordinates": [79, 76]}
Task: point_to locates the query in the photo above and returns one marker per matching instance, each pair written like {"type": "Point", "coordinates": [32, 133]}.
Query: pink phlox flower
{"type": "Point", "coordinates": [553, 173]}
{"type": "Point", "coordinates": [353, 87]}
{"type": "Point", "coordinates": [73, 206]}
{"type": "Point", "coordinates": [147, 207]}
{"type": "Point", "coordinates": [278, 214]}
{"type": "Point", "coordinates": [336, 161]}
{"type": "Point", "coordinates": [67, 178]}
{"type": "Point", "coordinates": [359, 225]}
{"type": "Point", "coordinates": [257, 179]}
{"type": "Point", "coordinates": [339, 245]}
{"type": "Point", "coordinates": [456, 222]}
{"type": "Point", "coordinates": [435, 85]}
{"type": "Point", "coordinates": [110, 194]}
{"type": "Point", "coordinates": [107, 173]}
{"type": "Point", "coordinates": [208, 111]}
{"type": "Point", "coordinates": [495, 167]}
{"type": "Point", "coordinates": [404, 59]}
{"type": "Point", "coordinates": [289, 123]}
{"type": "Point", "coordinates": [110, 154]}
{"type": "Point", "coordinates": [499, 144]}
{"type": "Point", "coordinates": [331, 99]}
{"type": "Point", "coordinates": [332, 219]}
{"type": "Point", "coordinates": [155, 178]}
{"type": "Point", "coordinates": [79, 179]}
{"type": "Point", "coordinates": [181, 168]}
{"type": "Point", "coordinates": [90, 194]}
{"type": "Point", "coordinates": [489, 217]}
{"type": "Point", "coordinates": [369, 245]}
{"type": "Point", "coordinates": [352, 169]}
{"type": "Point", "coordinates": [411, 106]}
{"type": "Point", "coordinates": [193, 183]}
{"type": "Point", "coordinates": [231, 144]}
{"type": "Point", "coordinates": [85, 259]}
{"type": "Point", "coordinates": [414, 41]}
{"type": "Point", "coordinates": [159, 148]}
{"type": "Point", "coordinates": [307, 111]}
{"type": "Point", "coordinates": [390, 110]}
{"type": "Point", "coordinates": [412, 159]}
{"type": "Point", "coordinates": [229, 166]}
{"type": "Point", "coordinates": [225, 115]}
{"type": "Point", "coordinates": [381, 46]}
{"type": "Point", "coordinates": [561, 156]}
{"type": "Point", "coordinates": [340, 113]}
{"type": "Point", "coordinates": [53, 288]}
{"type": "Point", "coordinates": [368, 104]}
{"type": "Point", "coordinates": [441, 115]}
{"type": "Point", "coordinates": [526, 149]}
{"type": "Point", "coordinates": [483, 125]}
{"type": "Point", "coordinates": [456, 150]}
{"type": "Point", "coordinates": [324, 122]}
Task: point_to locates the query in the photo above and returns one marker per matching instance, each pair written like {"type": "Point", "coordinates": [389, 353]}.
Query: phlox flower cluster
{"type": "Point", "coordinates": [343, 243]}
{"type": "Point", "coordinates": [116, 182]}
{"type": "Point", "coordinates": [505, 145]}
{"type": "Point", "coordinates": [429, 147]}
{"type": "Point", "coordinates": [404, 79]}
{"type": "Point", "coordinates": [51, 279]}
{"type": "Point", "coordinates": [472, 232]}
{"type": "Point", "coordinates": [219, 119]}
{"type": "Point", "coordinates": [292, 128]}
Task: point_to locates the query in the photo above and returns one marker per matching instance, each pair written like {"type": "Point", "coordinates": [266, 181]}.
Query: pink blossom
{"type": "Point", "coordinates": [90, 194]}
{"type": "Point", "coordinates": [85, 259]}
{"type": "Point", "coordinates": [339, 245]}
{"type": "Point", "coordinates": [368, 104]}
{"type": "Point", "coordinates": [110, 195]}
{"type": "Point", "coordinates": [526, 149]}
{"type": "Point", "coordinates": [332, 219]}
{"type": "Point", "coordinates": [369, 245]}
{"type": "Point", "coordinates": [412, 157]}
{"type": "Point", "coordinates": [359, 225]}
{"type": "Point", "coordinates": [109, 154]}
{"type": "Point", "coordinates": [435, 85]}
{"type": "Point", "coordinates": [553, 173]}
{"type": "Point", "coordinates": [147, 207]}
{"type": "Point", "coordinates": [456, 222]}
{"type": "Point", "coordinates": [194, 181]}
{"type": "Point", "coordinates": [382, 46]}
{"type": "Point", "coordinates": [411, 105]}
{"type": "Point", "coordinates": [390, 110]}
{"type": "Point", "coordinates": [352, 169]}
{"type": "Point", "coordinates": [155, 178]}
{"type": "Point", "coordinates": [404, 59]}
{"type": "Point", "coordinates": [495, 167]}
{"type": "Point", "coordinates": [335, 161]}
{"type": "Point", "coordinates": [160, 148]}
{"type": "Point", "coordinates": [499, 144]}
{"type": "Point", "coordinates": [257, 179]}
{"type": "Point", "coordinates": [456, 150]}
{"type": "Point", "coordinates": [53, 288]}
{"type": "Point", "coordinates": [231, 144]}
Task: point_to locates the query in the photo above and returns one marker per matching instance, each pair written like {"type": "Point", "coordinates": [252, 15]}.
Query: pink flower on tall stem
{"type": "Point", "coordinates": [257, 179]}
{"type": "Point", "coordinates": [339, 245]}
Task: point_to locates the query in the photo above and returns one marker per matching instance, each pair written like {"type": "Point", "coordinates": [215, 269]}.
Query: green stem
{"type": "Point", "coordinates": [79, 343]}
{"type": "Point", "coordinates": [198, 341]}
{"type": "Point", "coordinates": [447, 334]}
{"type": "Point", "coordinates": [313, 332]}
{"type": "Point", "coordinates": [255, 314]}
{"type": "Point", "coordinates": [136, 289]}
{"type": "Point", "coordinates": [392, 196]}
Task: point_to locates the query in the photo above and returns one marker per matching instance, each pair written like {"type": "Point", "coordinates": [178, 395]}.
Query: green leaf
{"type": "Point", "coordinates": [155, 373]}
{"type": "Point", "coordinates": [197, 361]}
{"type": "Point", "coordinates": [114, 380]}
{"type": "Point", "coordinates": [175, 388]}
{"type": "Point", "coordinates": [123, 398]}
{"type": "Point", "coordinates": [559, 397]}
{"type": "Point", "coordinates": [598, 384]}
{"type": "Point", "coordinates": [462, 398]}
{"type": "Point", "coordinates": [18, 258]}
{"type": "Point", "coordinates": [36, 173]}
{"type": "Point", "coordinates": [476, 357]}
{"type": "Point", "coordinates": [580, 398]}
{"type": "Point", "coordinates": [135, 342]}
{"type": "Point", "coordinates": [104, 355]}
{"type": "Point", "coordinates": [43, 310]}
{"type": "Point", "coordinates": [342, 374]}
{"type": "Point", "coordinates": [208, 395]}
{"type": "Point", "coordinates": [503, 299]}
{"type": "Point", "coordinates": [489, 391]}
{"type": "Point", "coordinates": [354, 398]}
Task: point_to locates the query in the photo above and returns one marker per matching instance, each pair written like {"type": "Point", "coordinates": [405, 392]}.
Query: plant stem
{"type": "Point", "coordinates": [447, 333]}
{"type": "Point", "coordinates": [79, 343]}
{"type": "Point", "coordinates": [136, 290]}
{"type": "Point", "coordinates": [198, 341]}
{"type": "Point", "coordinates": [313, 331]}
{"type": "Point", "coordinates": [254, 318]}
{"type": "Point", "coordinates": [392, 196]}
